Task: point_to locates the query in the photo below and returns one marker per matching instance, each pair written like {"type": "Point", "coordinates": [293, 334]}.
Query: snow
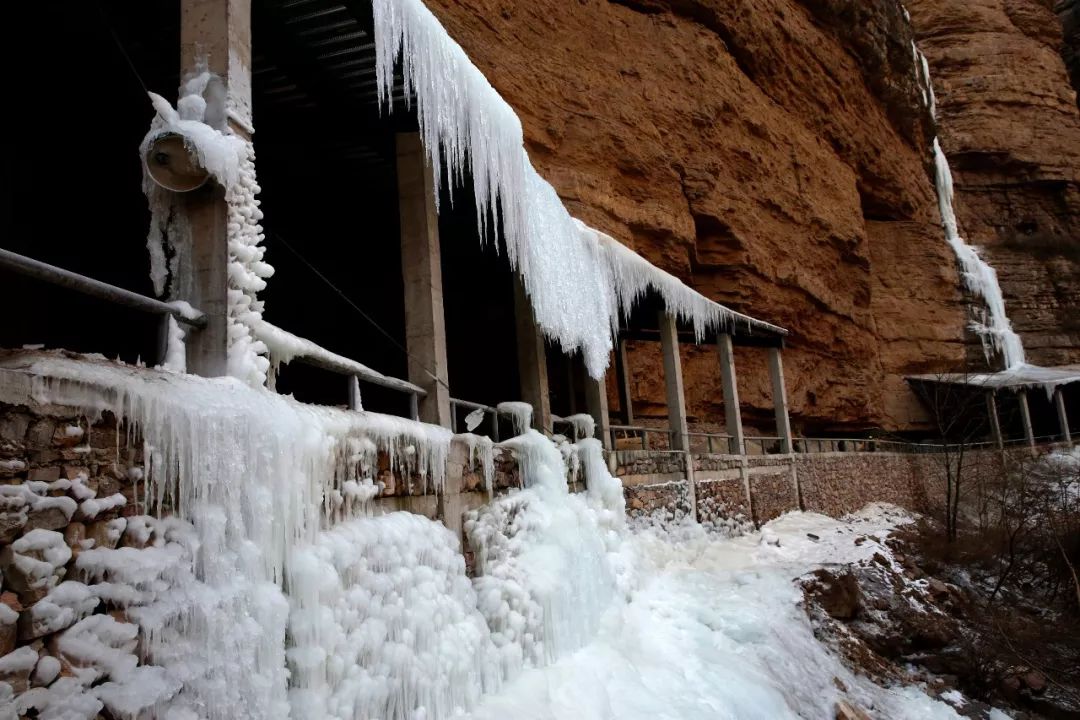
{"type": "Point", "coordinates": [577, 279]}
{"type": "Point", "coordinates": [584, 425]}
{"type": "Point", "coordinates": [979, 277]}
{"type": "Point", "coordinates": [20, 660]}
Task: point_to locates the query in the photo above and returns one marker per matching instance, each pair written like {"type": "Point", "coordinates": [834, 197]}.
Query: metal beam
{"type": "Point", "coordinates": [1025, 416]}
{"type": "Point", "coordinates": [995, 420]}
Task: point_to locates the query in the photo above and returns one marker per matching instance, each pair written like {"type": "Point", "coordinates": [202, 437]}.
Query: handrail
{"type": "Point", "coordinates": [95, 288]}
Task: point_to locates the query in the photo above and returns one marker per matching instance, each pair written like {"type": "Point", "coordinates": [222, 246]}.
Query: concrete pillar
{"type": "Point", "coordinates": [596, 402]}
{"type": "Point", "coordinates": [215, 35]}
{"type": "Point", "coordinates": [780, 404]}
{"type": "Point", "coordinates": [532, 359]}
{"type": "Point", "coordinates": [732, 416]}
{"type": "Point", "coordinates": [673, 380]}
{"type": "Point", "coordinates": [995, 420]}
{"type": "Point", "coordinates": [1063, 416]}
{"type": "Point", "coordinates": [1025, 416]}
{"type": "Point", "coordinates": [421, 268]}
{"type": "Point", "coordinates": [622, 377]}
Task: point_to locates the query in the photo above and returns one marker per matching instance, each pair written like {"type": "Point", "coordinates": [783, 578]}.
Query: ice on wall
{"type": "Point", "coordinates": [543, 574]}
{"type": "Point", "coordinates": [979, 277]}
{"type": "Point", "coordinates": [384, 624]}
{"type": "Point", "coordinates": [249, 476]}
{"type": "Point", "coordinates": [230, 160]}
{"type": "Point", "coordinates": [577, 280]}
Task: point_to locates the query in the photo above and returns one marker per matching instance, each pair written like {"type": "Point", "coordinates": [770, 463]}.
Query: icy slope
{"type": "Point", "coordinates": [714, 630]}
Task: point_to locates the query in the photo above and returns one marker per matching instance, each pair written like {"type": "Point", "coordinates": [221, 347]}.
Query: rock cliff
{"type": "Point", "coordinates": [773, 154]}
{"type": "Point", "coordinates": [1010, 126]}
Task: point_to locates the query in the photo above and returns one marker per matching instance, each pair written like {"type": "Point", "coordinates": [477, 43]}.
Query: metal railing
{"type": "Point", "coordinates": [95, 288]}
{"type": "Point", "coordinates": [489, 412]}
{"type": "Point", "coordinates": [638, 434]}
{"type": "Point", "coordinates": [312, 353]}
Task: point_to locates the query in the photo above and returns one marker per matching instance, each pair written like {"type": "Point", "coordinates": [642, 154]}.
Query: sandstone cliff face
{"type": "Point", "coordinates": [772, 153]}
{"type": "Point", "coordinates": [1010, 126]}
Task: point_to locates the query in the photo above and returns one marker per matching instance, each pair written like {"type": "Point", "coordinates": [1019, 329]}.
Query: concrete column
{"type": "Point", "coordinates": [1025, 416]}
{"type": "Point", "coordinates": [995, 420]}
{"type": "Point", "coordinates": [780, 404]}
{"type": "Point", "coordinates": [1063, 416]}
{"type": "Point", "coordinates": [673, 380]}
{"type": "Point", "coordinates": [732, 416]}
{"type": "Point", "coordinates": [622, 377]}
{"type": "Point", "coordinates": [421, 268]}
{"type": "Point", "coordinates": [596, 402]}
{"type": "Point", "coordinates": [215, 35]}
{"type": "Point", "coordinates": [532, 359]}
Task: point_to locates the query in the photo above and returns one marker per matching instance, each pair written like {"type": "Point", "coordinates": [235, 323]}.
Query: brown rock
{"type": "Point", "coordinates": [44, 474]}
{"type": "Point", "coordinates": [838, 595]}
{"type": "Point", "coordinates": [1011, 127]}
{"type": "Point", "coordinates": [1035, 681]}
{"type": "Point", "coordinates": [68, 435]}
{"type": "Point", "coordinates": [847, 711]}
{"type": "Point", "coordinates": [51, 518]}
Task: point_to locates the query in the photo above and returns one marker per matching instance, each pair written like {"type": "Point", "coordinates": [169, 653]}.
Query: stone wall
{"type": "Point", "coordinates": [732, 491]}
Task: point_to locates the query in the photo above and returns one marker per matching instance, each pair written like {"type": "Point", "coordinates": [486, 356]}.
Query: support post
{"type": "Point", "coordinates": [673, 381]}
{"type": "Point", "coordinates": [421, 268]}
{"type": "Point", "coordinates": [532, 359]}
{"type": "Point", "coordinates": [623, 377]}
{"type": "Point", "coordinates": [1063, 416]}
{"type": "Point", "coordinates": [732, 416]}
{"type": "Point", "coordinates": [596, 403]}
{"type": "Point", "coordinates": [995, 420]}
{"type": "Point", "coordinates": [780, 404]}
{"type": "Point", "coordinates": [1025, 417]}
{"type": "Point", "coordinates": [215, 34]}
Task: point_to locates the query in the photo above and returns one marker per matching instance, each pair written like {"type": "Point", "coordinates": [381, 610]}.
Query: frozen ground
{"type": "Point", "coordinates": [712, 628]}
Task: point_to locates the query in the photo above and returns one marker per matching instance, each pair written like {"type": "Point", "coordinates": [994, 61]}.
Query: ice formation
{"type": "Point", "coordinates": [577, 279]}
{"type": "Point", "coordinates": [520, 414]}
{"type": "Point", "coordinates": [250, 476]}
{"type": "Point", "coordinates": [980, 278]}
{"type": "Point", "coordinates": [584, 425]}
{"type": "Point", "coordinates": [230, 160]}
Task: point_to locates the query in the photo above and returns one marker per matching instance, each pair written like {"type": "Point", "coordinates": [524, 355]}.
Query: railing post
{"type": "Point", "coordinates": [732, 415]}
{"type": "Point", "coordinates": [421, 268]}
{"type": "Point", "coordinates": [414, 406]}
{"type": "Point", "coordinates": [355, 402]}
{"type": "Point", "coordinates": [1063, 416]}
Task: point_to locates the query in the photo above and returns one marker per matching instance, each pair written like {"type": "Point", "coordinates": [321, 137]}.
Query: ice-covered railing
{"type": "Point", "coordinates": [980, 278]}
{"type": "Point", "coordinates": [577, 281]}
{"type": "Point", "coordinates": [284, 347]}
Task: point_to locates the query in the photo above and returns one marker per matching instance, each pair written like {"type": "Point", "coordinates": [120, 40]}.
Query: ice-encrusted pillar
{"type": "Point", "coordinates": [1063, 416]}
{"type": "Point", "coordinates": [732, 416]}
{"type": "Point", "coordinates": [995, 420]}
{"type": "Point", "coordinates": [780, 404]}
{"type": "Point", "coordinates": [421, 269]}
{"type": "Point", "coordinates": [215, 35]}
{"type": "Point", "coordinates": [532, 359]}
{"type": "Point", "coordinates": [1025, 416]}
{"type": "Point", "coordinates": [673, 382]}
{"type": "Point", "coordinates": [623, 374]}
